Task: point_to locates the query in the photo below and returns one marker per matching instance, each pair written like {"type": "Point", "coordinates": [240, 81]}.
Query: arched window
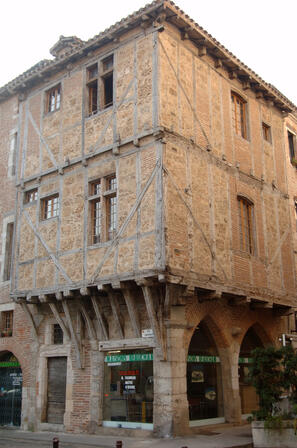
{"type": "Point", "coordinates": [246, 225]}
{"type": "Point", "coordinates": [239, 115]}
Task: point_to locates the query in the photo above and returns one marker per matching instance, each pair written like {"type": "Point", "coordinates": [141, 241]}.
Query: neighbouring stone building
{"type": "Point", "coordinates": [148, 243]}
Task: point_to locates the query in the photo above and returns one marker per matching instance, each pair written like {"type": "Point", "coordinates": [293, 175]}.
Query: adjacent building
{"type": "Point", "coordinates": [148, 243]}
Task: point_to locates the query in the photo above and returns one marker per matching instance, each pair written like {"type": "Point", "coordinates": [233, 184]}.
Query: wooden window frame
{"type": "Point", "coordinates": [246, 225]}
{"type": "Point", "coordinates": [50, 208]}
{"type": "Point", "coordinates": [100, 85]}
{"type": "Point", "coordinates": [103, 209]}
{"type": "Point", "coordinates": [53, 99]}
{"type": "Point", "coordinates": [266, 132]}
{"type": "Point", "coordinates": [8, 251]}
{"type": "Point", "coordinates": [239, 115]}
{"type": "Point", "coordinates": [292, 146]}
{"type": "Point", "coordinates": [6, 317]}
{"type": "Point", "coordinates": [30, 196]}
{"type": "Point", "coordinates": [92, 87]}
{"type": "Point", "coordinates": [106, 74]}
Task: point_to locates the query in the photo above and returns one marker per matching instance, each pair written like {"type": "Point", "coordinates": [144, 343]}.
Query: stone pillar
{"type": "Point", "coordinates": [171, 414]}
{"type": "Point", "coordinates": [96, 397]}
{"type": "Point", "coordinates": [230, 379]}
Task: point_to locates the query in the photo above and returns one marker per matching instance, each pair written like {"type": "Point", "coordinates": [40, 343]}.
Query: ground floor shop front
{"type": "Point", "coordinates": [199, 377]}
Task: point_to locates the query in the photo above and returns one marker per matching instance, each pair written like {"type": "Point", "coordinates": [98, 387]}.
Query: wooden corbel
{"type": "Point", "coordinates": [74, 339]}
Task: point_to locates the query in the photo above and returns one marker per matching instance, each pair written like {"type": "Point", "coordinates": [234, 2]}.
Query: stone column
{"type": "Point", "coordinates": [171, 414]}
{"type": "Point", "coordinates": [96, 397]}
{"type": "Point", "coordinates": [230, 379]}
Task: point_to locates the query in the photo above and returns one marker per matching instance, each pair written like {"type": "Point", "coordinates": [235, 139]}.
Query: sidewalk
{"type": "Point", "coordinates": [211, 437]}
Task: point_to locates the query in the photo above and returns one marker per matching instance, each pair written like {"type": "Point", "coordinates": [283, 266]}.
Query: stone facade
{"type": "Point", "coordinates": [192, 148]}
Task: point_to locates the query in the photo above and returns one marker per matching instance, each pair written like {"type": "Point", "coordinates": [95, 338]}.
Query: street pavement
{"type": "Point", "coordinates": [223, 436]}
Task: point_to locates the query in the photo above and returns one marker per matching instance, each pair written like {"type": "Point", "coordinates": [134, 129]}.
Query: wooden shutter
{"type": "Point", "coordinates": [56, 390]}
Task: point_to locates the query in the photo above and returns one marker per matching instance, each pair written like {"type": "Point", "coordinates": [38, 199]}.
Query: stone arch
{"type": "Point", "coordinates": [260, 331]}
{"type": "Point", "coordinates": [254, 336]}
{"type": "Point", "coordinates": [218, 334]}
{"type": "Point", "coordinates": [204, 372]}
{"type": "Point", "coordinates": [11, 381]}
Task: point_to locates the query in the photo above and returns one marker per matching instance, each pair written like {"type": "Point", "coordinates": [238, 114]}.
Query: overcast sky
{"type": "Point", "coordinates": [261, 33]}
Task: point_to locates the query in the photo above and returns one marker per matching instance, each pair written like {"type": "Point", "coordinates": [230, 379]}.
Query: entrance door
{"type": "Point", "coordinates": [204, 379]}
{"type": "Point", "coordinates": [11, 381]}
{"type": "Point", "coordinates": [248, 396]}
{"type": "Point", "coordinates": [56, 389]}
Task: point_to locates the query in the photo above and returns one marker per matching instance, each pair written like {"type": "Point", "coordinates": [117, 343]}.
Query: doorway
{"type": "Point", "coordinates": [11, 381]}
{"type": "Point", "coordinates": [204, 377]}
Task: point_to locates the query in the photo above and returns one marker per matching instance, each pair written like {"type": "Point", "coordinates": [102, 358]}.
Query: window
{"type": "Point", "coordinates": [12, 155]}
{"type": "Point", "coordinates": [7, 323]}
{"type": "Point", "coordinates": [100, 85]}
{"type": "Point", "coordinates": [53, 99]}
{"type": "Point", "coordinates": [245, 209]}
{"type": "Point", "coordinates": [92, 84]}
{"type": "Point", "coordinates": [103, 209]}
{"type": "Point", "coordinates": [292, 145]}
{"type": "Point", "coordinates": [266, 130]}
{"type": "Point", "coordinates": [30, 196]}
{"type": "Point", "coordinates": [57, 334]}
{"type": "Point", "coordinates": [8, 251]}
{"type": "Point", "coordinates": [50, 207]}
{"type": "Point", "coordinates": [107, 81]}
{"type": "Point", "coordinates": [239, 115]}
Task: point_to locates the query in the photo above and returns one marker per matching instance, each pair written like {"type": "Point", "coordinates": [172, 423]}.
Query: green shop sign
{"type": "Point", "coordinates": [129, 357]}
{"type": "Point", "coordinates": [149, 357]}
{"type": "Point", "coordinates": [9, 364]}
{"type": "Point", "coordinates": [198, 358]}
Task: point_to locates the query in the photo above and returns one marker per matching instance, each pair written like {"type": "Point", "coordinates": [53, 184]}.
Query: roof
{"type": "Point", "coordinates": [71, 49]}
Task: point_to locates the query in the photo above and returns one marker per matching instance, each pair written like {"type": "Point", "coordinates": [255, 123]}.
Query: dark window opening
{"type": "Point", "coordinates": [108, 90]}
{"type": "Point", "coordinates": [266, 132]}
{"type": "Point", "coordinates": [245, 209]}
{"type": "Point", "coordinates": [7, 323]}
{"type": "Point", "coordinates": [239, 116]}
{"type": "Point", "coordinates": [8, 252]}
{"type": "Point", "coordinates": [291, 140]}
{"type": "Point", "coordinates": [57, 334]}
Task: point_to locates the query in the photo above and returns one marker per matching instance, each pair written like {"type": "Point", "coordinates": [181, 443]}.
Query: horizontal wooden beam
{"type": "Point", "coordinates": [121, 344]}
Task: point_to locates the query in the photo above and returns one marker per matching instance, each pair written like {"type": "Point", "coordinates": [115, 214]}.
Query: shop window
{"type": "Point", "coordinates": [53, 99]}
{"type": "Point", "coordinates": [239, 115]}
{"type": "Point", "coordinates": [8, 251]}
{"type": "Point", "coordinates": [7, 323]}
{"type": "Point", "coordinates": [103, 209]}
{"type": "Point", "coordinates": [246, 211]}
{"type": "Point", "coordinates": [50, 207]}
{"type": "Point", "coordinates": [292, 146]}
{"type": "Point", "coordinates": [58, 335]}
{"type": "Point", "coordinates": [30, 196]}
{"type": "Point", "coordinates": [128, 388]}
{"type": "Point", "coordinates": [266, 131]}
